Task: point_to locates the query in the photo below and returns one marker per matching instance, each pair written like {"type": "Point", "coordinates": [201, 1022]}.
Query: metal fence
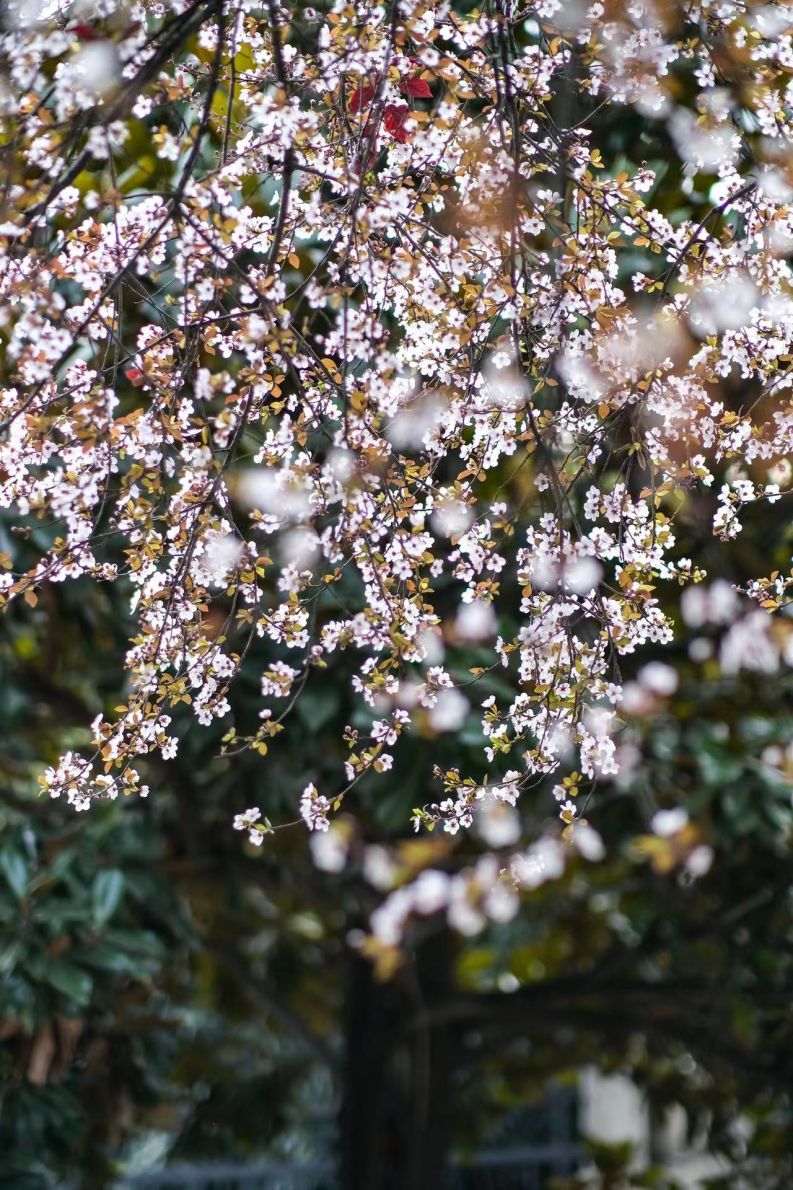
{"type": "Point", "coordinates": [529, 1148]}
{"type": "Point", "coordinates": [512, 1169]}
{"type": "Point", "coordinates": [235, 1177]}
{"type": "Point", "coordinates": [528, 1169]}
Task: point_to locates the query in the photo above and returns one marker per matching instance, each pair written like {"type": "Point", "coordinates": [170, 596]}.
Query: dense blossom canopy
{"type": "Point", "coordinates": [342, 331]}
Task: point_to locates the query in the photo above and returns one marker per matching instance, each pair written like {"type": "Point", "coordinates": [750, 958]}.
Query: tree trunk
{"type": "Point", "coordinates": [397, 1104]}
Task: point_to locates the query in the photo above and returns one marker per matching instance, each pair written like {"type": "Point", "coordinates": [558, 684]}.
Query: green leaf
{"type": "Point", "coordinates": [106, 958]}
{"type": "Point", "coordinates": [317, 707]}
{"type": "Point", "coordinates": [9, 956]}
{"type": "Point", "coordinates": [140, 942]}
{"type": "Point", "coordinates": [60, 864]}
{"type": "Point", "coordinates": [69, 980]}
{"type": "Point", "coordinates": [15, 869]}
{"type": "Point", "coordinates": [106, 893]}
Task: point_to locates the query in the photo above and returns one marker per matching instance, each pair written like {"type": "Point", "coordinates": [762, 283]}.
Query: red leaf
{"type": "Point", "coordinates": [134, 374]}
{"type": "Point", "coordinates": [418, 88]}
{"type": "Point", "coordinates": [361, 98]}
{"type": "Point", "coordinates": [86, 33]}
{"type": "Point", "coordinates": [394, 118]}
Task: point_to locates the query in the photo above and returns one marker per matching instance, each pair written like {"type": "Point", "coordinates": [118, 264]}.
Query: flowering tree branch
{"type": "Point", "coordinates": [322, 335]}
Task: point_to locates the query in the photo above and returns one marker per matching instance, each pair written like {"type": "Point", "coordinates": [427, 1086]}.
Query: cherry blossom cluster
{"type": "Point", "coordinates": [475, 895]}
{"type": "Point", "coordinates": [323, 334]}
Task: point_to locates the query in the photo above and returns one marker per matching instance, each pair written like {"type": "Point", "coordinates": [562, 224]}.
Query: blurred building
{"type": "Point", "coordinates": [613, 1110]}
